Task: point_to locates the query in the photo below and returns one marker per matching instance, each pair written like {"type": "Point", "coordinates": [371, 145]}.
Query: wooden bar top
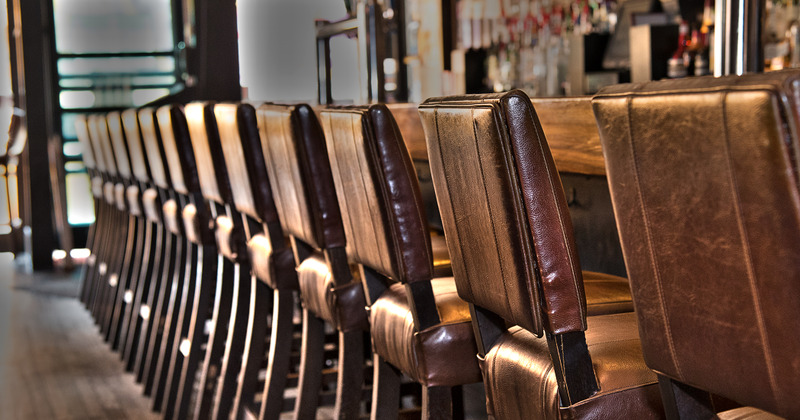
{"type": "Point", "coordinates": [568, 124]}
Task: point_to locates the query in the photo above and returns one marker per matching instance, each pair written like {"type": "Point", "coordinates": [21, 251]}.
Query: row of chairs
{"type": "Point", "coordinates": [214, 219]}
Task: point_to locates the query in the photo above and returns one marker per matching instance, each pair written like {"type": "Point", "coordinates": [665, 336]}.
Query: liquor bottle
{"type": "Point", "coordinates": [676, 67]}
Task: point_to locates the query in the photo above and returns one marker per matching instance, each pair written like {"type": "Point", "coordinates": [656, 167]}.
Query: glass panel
{"type": "Point", "coordinates": [80, 205]}
{"type": "Point", "coordinates": [68, 126]}
{"type": "Point", "coordinates": [74, 166]}
{"type": "Point", "coordinates": [76, 99]}
{"type": "Point", "coordinates": [86, 26]}
{"type": "Point", "coordinates": [143, 96]}
{"type": "Point", "coordinates": [115, 65]}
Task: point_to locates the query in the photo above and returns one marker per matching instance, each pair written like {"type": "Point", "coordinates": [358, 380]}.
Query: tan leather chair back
{"type": "Point", "coordinates": [178, 151]}
{"type": "Point", "coordinates": [302, 184]}
{"type": "Point", "coordinates": [87, 152]}
{"type": "Point", "coordinates": [130, 124]}
{"type": "Point", "coordinates": [151, 139]}
{"type": "Point", "coordinates": [378, 193]}
{"type": "Point", "coordinates": [118, 144]}
{"type": "Point", "coordinates": [703, 175]}
{"type": "Point", "coordinates": [504, 213]}
{"type": "Point", "coordinates": [105, 160]}
{"type": "Point", "coordinates": [208, 152]}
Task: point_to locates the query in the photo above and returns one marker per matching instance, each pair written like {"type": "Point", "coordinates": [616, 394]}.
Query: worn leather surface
{"type": "Point", "coordinates": [82, 132]}
{"type": "Point", "coordinates": [444, 354]}
{"type": "Point", "coordinates": [376, 185]}
{"type": "Point", "coordinates": [152, 141]}
{"type": "Point", "coordinates": [179, 154]}
{"type": "Point", "coordinates": [230, 239]}
{"type": "Point", "coordinates": [606, 293]}
{"type": "Point", "coordinates": [344, 306]}
{"type": "Point", "coordinates": [275, 267]}
{"type": "Point", "coordinates": [94, 143]}
{"type": "Point", "coordinates": [119, 197]}
{"type": "Point", "coordinates": [130, 125]}
{"type": "Point", "coordinates": [172, 217]}
{"type": "Point", "coordinates": [441, 257]}
{"type": "Point", "coordinates": [132, 197]}
{"type": "Point", "coordinates": [118, 144]}
{"type": "Point", "coordinates": [300, 172]}
{"type": "Point", "coordinates": [520, 381]}
{"type": "Point", "coordinates": [703, 176]}
{"type": "Point", "coordinates": [504, 211]}
{"type": "Point", "coordinates": [211, 170]}
{"type": "Point", "coordinates": [108, 193]}
{"type": "Point", "coordinates": [244, 160]}
{"type": "Point", "coordinates": [197, 224]}
{"type": "Point", "coordinates": [97, 187]}
{"type": "Point", "coordinates": [747, 413]}
{"type": "Point", "coordinates": [104, 143]}
{"type": "Point", "coordinates": [152, 205]}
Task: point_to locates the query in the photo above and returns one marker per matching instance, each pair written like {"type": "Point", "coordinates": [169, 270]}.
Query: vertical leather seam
{"type": "Point", "coordinates": [751, 278]}
{"type": "Point", "coordinates": [570, 252]}
{"type": "Point", "coordinates": [649, 234]}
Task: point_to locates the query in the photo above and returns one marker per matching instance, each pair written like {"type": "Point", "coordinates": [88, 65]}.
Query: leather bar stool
{"type": "Point", "coordinates": [98, 229]}
{"type": "Point", "coordinates": [273, 280]}
{"type": "Point", "coordinates": [190, 304]}
{"type": "Point", "coordinates": [305, 196]}
{"type": "Point", "coordinates": [703, 175]}
{"type": "Point", "coordinates": [419, 327]}
{"type": "Point", "coordinates": [514, 260]}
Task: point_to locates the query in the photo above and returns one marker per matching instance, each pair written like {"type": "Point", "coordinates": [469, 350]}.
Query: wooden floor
{"type": "Point", "coordinates": [53, 363]}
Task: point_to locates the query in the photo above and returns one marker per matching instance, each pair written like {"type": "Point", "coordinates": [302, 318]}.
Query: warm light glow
{"type": "Point", "coordinates": [185, 347]}
{"type": "Point", "coordinates": [59, 254]}
{"type": "Point", "coordinates": [80, 253]}
{"type": "Point", "coordinates": [144, 312]}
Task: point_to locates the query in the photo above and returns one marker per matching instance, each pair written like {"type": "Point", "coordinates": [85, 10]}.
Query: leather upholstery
{"type": "Point", "coordinates": [97, 187]}
{"type": "Point", "coordinates": [104, 143]}
{"type": "Point", "coordinates": [488, 144]}
{"type": "Point", "coordinates": [296, 155]}
{"type": "Point", "coordinates": [172, 217]}
{"type": "Point", "coordinates": [133, 199]}
{"type": "Point", "coordinates": [178, 152]}
{"type": "Point", "coordinates": [118, 144]}
{"type": "Point", "coordinates": [208, 155]}
{"type": "Point", "coordinates": [704, 181]}
{"type": "Point", "coordinates": [152, 205]}
{"type": "Point", "coordinates": [522, 383]}
{"type": "Point", "coordinates": [130, 124]}
{"type": "Point", "coordinates": [108, 193]}
{"type": "Point", "coordinates": [119, 197]}
{"type": "Point", "coordinates": [230, 239]}
{"type": "Point", "coordinates": [94, 143]}
{"type": "Point", "coordinates": [343, 306]}
{"type": "Point", "coordinates": [152, 140]}
{"type": "Point", "coordinates": [747, 413]}
{"type": "Point", "coordinates": [250, 184]}
{"type": "Point", "coordinates": [376, 184]}
{"type": "Point", "coordinates": [606, 294]}
{"type": "Point", "coordinates": [197, 225]}
{"type": "Point", "coordinates": [275, 267]}
{"type": "Point", "coordinates": [443, 354]}
{"type": "Point", "coordinates": [441, 257]}
{"type": "Point", "coordinates": [82, 131]}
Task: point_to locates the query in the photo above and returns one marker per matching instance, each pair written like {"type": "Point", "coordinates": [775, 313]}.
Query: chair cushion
{"type": "Point", "coordinates": [444, 354]}
{"type": "Point", "coordinates": [343, 306]}
{"type": "Point", "coordinates": [172, 218]}
{"type": "Point", "coordinates": [274, 267]}
{"type": "Point", "coordinates": [152, 205]}
{"type": "Point", "coordinates": [119, 197]}
{"type": "Point", "coordinates": [108, 193]}
{"type": "Point", "coordinates": [521, 384]}
{"type": "Point", "coordinates": [747, 413]}
{"type": "Point", "coordinates": [441, 257]}
{"type": "Point", "coordinates": [132, 195]}
{"type": "Point", "coordinates": [196, 226]}
{"type": "Point", "coordinates": [230, 239]}
{"type": "Point", "coordinates": [606, 293]}
{"type": "Point", "coordinates": [97, 187]}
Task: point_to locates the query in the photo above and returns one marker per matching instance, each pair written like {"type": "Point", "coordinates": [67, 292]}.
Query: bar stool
{"type": "Point", "coordinates": [273, 280]}
{"type": "Point", "coordinates": [418, 325]}
{"type": "Point", "coordinates": [191, 302]}
{"type": "Point", "coordinates": [703, 175]}
{"type": "Point", "coordinates": [305, 198]}
{"type": "Point", "coordinates": [514, 260]}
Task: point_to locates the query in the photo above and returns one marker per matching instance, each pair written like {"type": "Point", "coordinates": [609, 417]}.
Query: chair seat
{"type": "Point", "coordinates": [441, 355]}
{"type": "Point", "coordinates": [747, 413]}
{"type": "Point", "coordinates": [523, 384]}
{"type": "Point", "coordinates": [606, 293]}
{"type": "Point", "coordinates": [343, 306]}
{"type": "Point", "coordinates": [172, 219]}
{"type": "Point", "coordinates": [276, 268]}
{"type": "Point", "coordinates": [230, 240]}
{"type": "Point", "coordinates": [196, 226]}
{"type": "Point", "coordinates": [133, 195]}
{"type": "Point", "coordinates": [441, 257]}
{"type": "Point", "coordinates": [152, 205]}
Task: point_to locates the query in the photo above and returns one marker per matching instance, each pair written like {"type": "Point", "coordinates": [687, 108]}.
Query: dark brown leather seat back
{"type": "Point", "coordinates": [238, 132]}
{"type": "Point", "coordinates": [369, 187]}
{"type": "Point", "coordinates": [704, 179]}
{"type": "Point", "coordinates": [503, 209]}
{"type": "Point", "coordinates": [300, 173]}
{"type": "Point", "coordinates": [213, 175]}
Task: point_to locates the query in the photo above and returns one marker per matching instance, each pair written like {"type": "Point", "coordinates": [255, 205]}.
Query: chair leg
{"type": "Point", "coordinates": [351, 375]}
{"type": "Point", "coordinates": [257, 330]}
{"type": "Point", "coordinates": [280, 346]}
{"type": "Point", "coordinates": [130, 272]}
{"type": "Point", "coordinates": [151, 246]}
{"type": "Point", "coordinates": [312, 355]}
{"type": "Point", "coordinates": [682, 401]}
{"type": "Point", "coordinates": [215, 348]}
{"type": "Point", "coordinates": [385, 390]}
{"type": "Point", "coordinates": [437, 402]}
{"type": "Point", "coordinates": [124, 276]}
{"type": "Point", "coordinates": [203, 298]}
{"type": "Point", "coordinates": [234, 347]}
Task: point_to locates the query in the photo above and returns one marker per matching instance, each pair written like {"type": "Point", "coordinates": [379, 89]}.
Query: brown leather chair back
{"type": "Point", "coordinates": [703, 175]}
{"type": "Point", "coordinates": [118, 144]}
{"type": "Point", "coordinates": [178, 152]}
{"type": "Point", "coordinates": [103, 156]}
{"type": "Point", "coordinates": [300, 172]}
{"type": "Point", "coordinates": [250, 184]}
{"type": "Point", "coordinates": [130, 124]}
{"type": "Point", "coordinates": [504, 213]}
{"type": "Point", "coordinates": [208, 155]}
{"type": "Point", "coordinates": [87, 150]}
{"type": "Point", "coordinates": [154, 146]}
{"type": "Point", "coordinates": [378, 193]}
